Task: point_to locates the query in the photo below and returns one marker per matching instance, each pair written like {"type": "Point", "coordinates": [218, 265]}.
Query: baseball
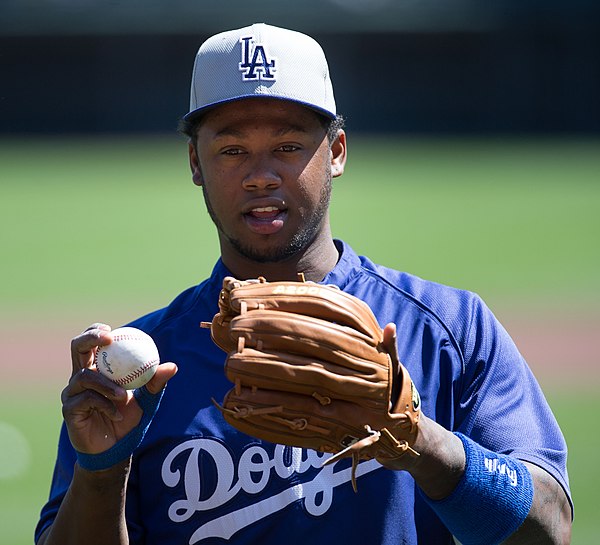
{"type": "Point", "coordinates": [130, 360]}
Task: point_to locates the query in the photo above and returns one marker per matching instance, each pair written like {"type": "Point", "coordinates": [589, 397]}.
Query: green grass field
{"type": "Point", "coordinates": [115, 228]}
{"type": "Point", "coordinates": [504, 218]}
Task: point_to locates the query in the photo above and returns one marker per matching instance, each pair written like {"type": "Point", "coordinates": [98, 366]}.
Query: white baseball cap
{"type": "Point", "coordinates": [261, 61]}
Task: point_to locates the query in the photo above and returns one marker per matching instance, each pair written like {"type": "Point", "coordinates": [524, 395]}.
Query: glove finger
{"type": "Point", "coordinates": [300, 334]}
{"type": "Point", "coordinates": [367, 385]}
{"type": "Point", "coordinates": [319, 301]}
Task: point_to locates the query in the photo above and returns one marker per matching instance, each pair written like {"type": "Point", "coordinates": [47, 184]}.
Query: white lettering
{"type": "Point", "coordinates": [512, 475]}
{"type": "Point", "coordinates": [296, 290]}
{"type": "Point", "coordinates": [254, 461]}
{"type": "Point", "coordinates": [255, 469]}
{"type": "Point", "coordinates": [182, 510]}
{"type": "Point", "coordinates": [493, 465]}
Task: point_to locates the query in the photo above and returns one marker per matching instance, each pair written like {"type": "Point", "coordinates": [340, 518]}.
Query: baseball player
{"type": "Point", "coordinates": [480, 459]}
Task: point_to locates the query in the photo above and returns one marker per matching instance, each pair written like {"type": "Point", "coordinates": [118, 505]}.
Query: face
{"type": "Point", "coordinates": [265, 167]}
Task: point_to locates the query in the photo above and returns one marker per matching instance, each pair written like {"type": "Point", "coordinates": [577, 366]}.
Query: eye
{"type": "Point", "coordinates": [288, 147]}
{"type": "Point", "coordinates": [232, 151]}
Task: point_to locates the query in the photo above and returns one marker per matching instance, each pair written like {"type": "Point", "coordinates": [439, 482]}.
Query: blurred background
{"type": "Point", "coordinates": [474, 136]}
{"type": "Point", "coordinates": [408, 66]}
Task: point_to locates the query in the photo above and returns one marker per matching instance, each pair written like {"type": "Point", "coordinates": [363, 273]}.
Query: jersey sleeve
{"type": "Point", "coordinates": [501, 404]}
{"type": "Point", "coordinates": [61, 480]}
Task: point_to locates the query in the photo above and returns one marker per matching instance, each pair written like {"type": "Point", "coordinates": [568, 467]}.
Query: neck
{"type": "Point", "coordinates": [315, 263]}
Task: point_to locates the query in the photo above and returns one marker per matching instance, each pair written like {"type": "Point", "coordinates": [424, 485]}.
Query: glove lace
{"type": "Point", "coordinates": [400, 447]}
{"type": "Point", "coordinates": [268, 413]}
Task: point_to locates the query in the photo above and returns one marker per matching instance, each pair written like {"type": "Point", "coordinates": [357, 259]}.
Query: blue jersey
{"type": "Point", "coordinates": [195, 479]}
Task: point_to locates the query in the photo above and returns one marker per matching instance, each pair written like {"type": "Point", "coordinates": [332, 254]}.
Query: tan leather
{"type": "Point", "coordinates": [309, 370]}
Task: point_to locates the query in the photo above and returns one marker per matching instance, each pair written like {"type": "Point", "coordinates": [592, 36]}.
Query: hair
{"type": "Point", "coordinates": [189, 127]}
{"type": "Point", "coordinates": [333, 126]}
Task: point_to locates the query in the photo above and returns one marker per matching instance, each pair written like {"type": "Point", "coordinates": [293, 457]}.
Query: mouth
{"type": "Point", "coordinates": [265, 220]}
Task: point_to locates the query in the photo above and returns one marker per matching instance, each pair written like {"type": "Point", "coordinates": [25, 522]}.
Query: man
{"type": "Point", "coordinates": [265, 143]}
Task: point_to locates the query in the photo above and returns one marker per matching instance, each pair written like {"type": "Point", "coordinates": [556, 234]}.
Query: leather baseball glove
{"type": "Point", "coordinates": [309, 370]}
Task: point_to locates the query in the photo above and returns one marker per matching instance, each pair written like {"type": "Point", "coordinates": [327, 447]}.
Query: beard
{"type": "Point", "coordinates": [299, 241]}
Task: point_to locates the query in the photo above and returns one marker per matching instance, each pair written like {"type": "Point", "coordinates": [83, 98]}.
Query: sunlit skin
{"type": "Point", "coordinates": [265, 167]}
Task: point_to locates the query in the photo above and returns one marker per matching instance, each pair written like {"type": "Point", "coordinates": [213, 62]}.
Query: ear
{"type": "Point", "coordinates": [338, 154]}
{"type": "Point", "coordinates": [195, 165]}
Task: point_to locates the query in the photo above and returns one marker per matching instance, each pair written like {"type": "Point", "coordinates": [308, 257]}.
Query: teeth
{"type": "Point", "coordinates": [266, 209]}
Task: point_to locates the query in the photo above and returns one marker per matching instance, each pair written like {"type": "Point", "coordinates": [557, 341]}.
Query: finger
{"type": "Point", "coordinates": [88, 379]}
{"type": "Point", "coordinates": [87, 401]}
{"type": "Point", "coordinates": [84, 345]}
{"type": "Point", "coordinates": [389, 340]}
{"type": "Point", "coordinates": [164, 372]}
{"type": "Point", "coordinates": [98, 325]}
{"type": "Point", "coordinates": [391, 346]}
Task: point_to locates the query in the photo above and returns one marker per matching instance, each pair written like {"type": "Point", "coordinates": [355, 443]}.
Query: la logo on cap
{"type": "Point", "coordinates": [256, 64]}
{"type": "Point", "coordinates": [261, 60]}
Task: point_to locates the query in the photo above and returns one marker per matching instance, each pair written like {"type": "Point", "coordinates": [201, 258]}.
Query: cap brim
{"type": "Point", "coordinates": [199, 112]}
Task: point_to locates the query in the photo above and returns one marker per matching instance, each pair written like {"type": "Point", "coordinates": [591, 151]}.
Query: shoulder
{"type": "Point", "coordinates": [438, 314]}
{"type": "Point", "coordinates": [382, 286]}
{"type": "Point", "coordinates": [448, 303]}
{"type": "Point", "coordinates": [458, 313]}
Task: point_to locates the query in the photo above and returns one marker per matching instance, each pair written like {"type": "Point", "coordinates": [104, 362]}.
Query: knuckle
{"type": "Point", "coordinates": [98, 326]}
{"type": "Point", "coordinates": [82, 376]}
{"type": "Point", "coordinates": [65, 395]}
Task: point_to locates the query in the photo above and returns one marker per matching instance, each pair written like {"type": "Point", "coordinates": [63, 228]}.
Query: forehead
{"type": "Point", "coordinates": [258, 112]}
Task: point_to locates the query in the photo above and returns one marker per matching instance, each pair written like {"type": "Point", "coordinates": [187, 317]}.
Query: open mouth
{"type": "Point", "coordinates": [265, 212]}
{"type": "Point", "coordinates": [265, 220]}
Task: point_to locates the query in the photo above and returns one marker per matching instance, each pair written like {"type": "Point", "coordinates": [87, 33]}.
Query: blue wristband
{"type": "Point", "coordinates": [491, 500]}
{"type": "Point", "coordinates": [123, 449]}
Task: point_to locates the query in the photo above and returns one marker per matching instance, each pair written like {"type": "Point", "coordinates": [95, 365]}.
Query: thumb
{"type": "Point", "coordinates": [389, 340]}
{"type": "Point", "coordinates": [164, 373]}
{"type": "Point", "coordinates": [391, 347]}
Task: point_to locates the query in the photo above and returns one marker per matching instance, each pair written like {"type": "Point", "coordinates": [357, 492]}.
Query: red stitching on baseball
{"type": "Point", "coordinates": [128, 337]}
{"type": "Point", "coordinates": [138, 372]}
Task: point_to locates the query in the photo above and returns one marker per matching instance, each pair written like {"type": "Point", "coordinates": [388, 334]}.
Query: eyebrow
{"type": "Point", "coordinates": [231, 131]}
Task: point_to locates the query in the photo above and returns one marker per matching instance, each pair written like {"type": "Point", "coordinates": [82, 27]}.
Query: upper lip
{"type": "Point", "coordinates": [261, 204]}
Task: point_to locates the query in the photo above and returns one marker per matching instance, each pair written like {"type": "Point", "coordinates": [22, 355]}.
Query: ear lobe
{"type": "Point", "coordinates": [338, 154]}
{"type": "Point", "coordinates": [197, 178]}
{"type": "Point", "coordinates": [195, 165]}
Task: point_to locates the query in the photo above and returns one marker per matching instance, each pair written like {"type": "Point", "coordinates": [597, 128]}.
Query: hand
{"type": "Point", "coordinates": [98, 412]}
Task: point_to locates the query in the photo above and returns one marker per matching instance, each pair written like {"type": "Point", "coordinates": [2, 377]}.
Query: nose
{"type": "Point", "coordinates": [262, 175]}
